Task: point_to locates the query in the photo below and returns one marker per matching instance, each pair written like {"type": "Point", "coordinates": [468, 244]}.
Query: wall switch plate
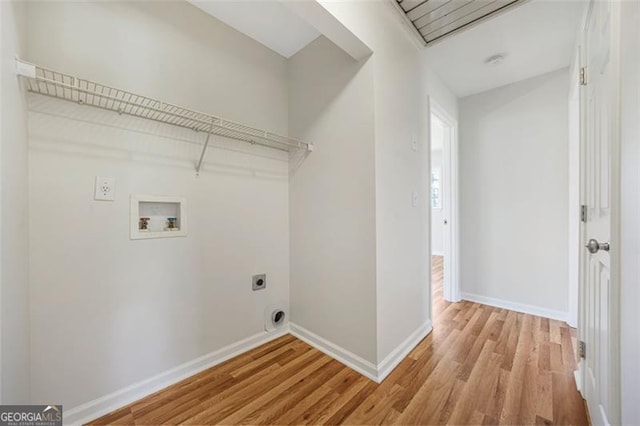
{"type": "Point", "coordinates": [414, 198]}
{"type": "Point", "coordinates": [259, 282]}
{"type": "Point", "coordinates": [105, 189]}
{"type": "Point", "coordinates": [414, 143]}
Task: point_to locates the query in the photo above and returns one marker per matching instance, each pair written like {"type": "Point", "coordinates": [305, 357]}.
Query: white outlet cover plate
{"type": "Point", "coordinates": [414, 198]}
{"type": "Point", "coordinates": [105, 189]}
{"type": "Point", "coordinates": [414, 143]}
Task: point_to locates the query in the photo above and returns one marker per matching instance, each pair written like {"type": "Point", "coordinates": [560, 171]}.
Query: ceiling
{"type": "Point", "coordinates": [437, 19]}
{"type": "Point", "coordinates": [268, 22]}
{"type": "Point", "coordinates": [534, 38]}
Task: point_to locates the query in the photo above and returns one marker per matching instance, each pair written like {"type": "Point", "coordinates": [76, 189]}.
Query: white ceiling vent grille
{"type": "Point", "coordinates": [436, 19]}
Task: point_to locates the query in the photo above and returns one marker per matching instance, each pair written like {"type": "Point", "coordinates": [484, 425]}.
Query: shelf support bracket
{"type": "Point", "coordinates": [25, 69]}
{"type": "Point", "coordinates": [204, 149]}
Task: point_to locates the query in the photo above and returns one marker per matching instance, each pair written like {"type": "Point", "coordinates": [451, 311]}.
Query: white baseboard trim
{"type": "Point", "coordinates": [377, 373]}
{"type": "Point", "coordinates": [577, 374]}
{"type": "Point", "coordinates": [105, 404]}
{"type": "Point", "coordinates": [603, 416]}
{"type": "Point", "coordinates": [351, 360]}
{"type": "Point", "coordinates": [391, 361]}
{"type": "Point", "coordinates": [120, 398]}
{"type": "Point", "coordinates": [437, 253]}
{"type": "Point", "coordinates": [518, 307]}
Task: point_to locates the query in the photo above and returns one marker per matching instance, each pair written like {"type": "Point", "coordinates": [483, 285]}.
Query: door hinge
{"type": "Point", "coordinates": [583, 213]}
{"type": "Point", "coordinates": [582, 349]}
{"type": "Point", "coordinates": [583, 76]}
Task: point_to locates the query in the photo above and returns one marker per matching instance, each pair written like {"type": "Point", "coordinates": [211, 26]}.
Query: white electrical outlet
{"type": "Point", "coordinates": [414, 198]}
{"type": "Point", "coordinates": [105, 189]}
{"type": "Point", "coordinates": [414, 143]}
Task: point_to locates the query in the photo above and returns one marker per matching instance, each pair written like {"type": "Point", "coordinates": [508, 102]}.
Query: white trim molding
{"type": "Point", "coordinates": [391, 361]}
{"type": "Point", "coordinates": [577, 375]}
{"type": "Point", "coordinates": [451, 206]}
{"type": "Point", "coordinates": [377, 373]}
{"type": "Point", "coordinates": [351, 360]}
{"type": "Point", "coordinates": [118, 399]}
{"type": "Point", "coordinates": [518, 307]}
{"type": "Point", "coordinates": [603, 416]}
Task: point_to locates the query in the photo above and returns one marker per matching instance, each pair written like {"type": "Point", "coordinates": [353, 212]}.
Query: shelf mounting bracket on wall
{"type": "Point", "coordinates": [55, 84]}
{"type": "Point", "coordinates": [204, 149]}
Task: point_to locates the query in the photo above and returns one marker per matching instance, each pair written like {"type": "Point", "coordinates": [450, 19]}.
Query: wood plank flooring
{"type": "Point", "coordinates": [480, 365]}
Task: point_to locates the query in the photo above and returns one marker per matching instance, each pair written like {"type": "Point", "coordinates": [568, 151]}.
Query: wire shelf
{"type": "Point", "coordinates": [56, 84]}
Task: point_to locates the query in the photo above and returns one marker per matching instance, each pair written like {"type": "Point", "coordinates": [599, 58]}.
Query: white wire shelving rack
{"type": "Point", "coordinates": [59, 85]}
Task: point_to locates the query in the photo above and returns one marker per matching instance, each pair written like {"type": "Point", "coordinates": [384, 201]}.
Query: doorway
{"type": "Point", "coordinates": [443, 176]}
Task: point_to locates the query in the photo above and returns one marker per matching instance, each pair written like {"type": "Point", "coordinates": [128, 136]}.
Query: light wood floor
{"type": "Point", "coordinates": [480, 365]}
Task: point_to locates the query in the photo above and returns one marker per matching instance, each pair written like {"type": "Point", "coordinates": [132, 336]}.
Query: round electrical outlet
{"type": "Point", "coordinates": [259, 282]}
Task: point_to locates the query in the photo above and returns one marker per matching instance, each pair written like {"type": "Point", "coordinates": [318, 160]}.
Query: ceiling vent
{"type": "Point", "coordinates": [436, 19]}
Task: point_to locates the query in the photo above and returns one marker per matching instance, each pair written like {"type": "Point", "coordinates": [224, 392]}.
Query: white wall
{"type": "Point", "coordinates": [107, 311]}
{"type": "Point", "coordinates": [437, 224]}
{"type": "Point", "coordinates": [630, 212]}
{"type": "Point", "coordinates": [514, 187]}
{"type": "Point", "coordinates": [14, 256]}
{"type": "Point", "coordinates": [332, 198]}
{"type": "Point", "coordinates": [437, 90]}
{"type": "Point", "coordinates": [402, 85]}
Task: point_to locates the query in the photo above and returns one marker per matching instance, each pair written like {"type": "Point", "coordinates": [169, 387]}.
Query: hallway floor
{"type": "Point", "coordinates": [480, 365]}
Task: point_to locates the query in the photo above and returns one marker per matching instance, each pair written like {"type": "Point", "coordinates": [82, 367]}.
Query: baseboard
{"type": "Point", "coordinates": [377, 373]}
{"type": "Point", "coordinates": [577, 375]}
{"type": "Point", "coordinates": [108, 403]}
{"type": "Point", "coordinates": [351, 360]}
{"type": "Point", "coordinates": [603, 416]}
{"type": "Point", "coordinates": [437, 253]}
{"type": "Point", "coordinates": [578, 378]}
{"type": "Point", "coordinates": [518, 307]}
{"type": "Point", "coordinates": [103, 405]}
{"type": "Point", "coordinates": [391, 361]}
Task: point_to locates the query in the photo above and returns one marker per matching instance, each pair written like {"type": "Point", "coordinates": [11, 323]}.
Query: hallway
{"type": "Point", "coordinates": [521, 364]}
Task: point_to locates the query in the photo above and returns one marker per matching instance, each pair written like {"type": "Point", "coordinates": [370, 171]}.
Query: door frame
{"type": "Point", "coordinates": [575, 198]}
{"type": "Point", "coordinates": [451, 204]}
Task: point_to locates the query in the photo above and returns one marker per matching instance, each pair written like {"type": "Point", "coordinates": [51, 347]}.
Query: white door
{"type": "Point", "coordinates": [599, 293]}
